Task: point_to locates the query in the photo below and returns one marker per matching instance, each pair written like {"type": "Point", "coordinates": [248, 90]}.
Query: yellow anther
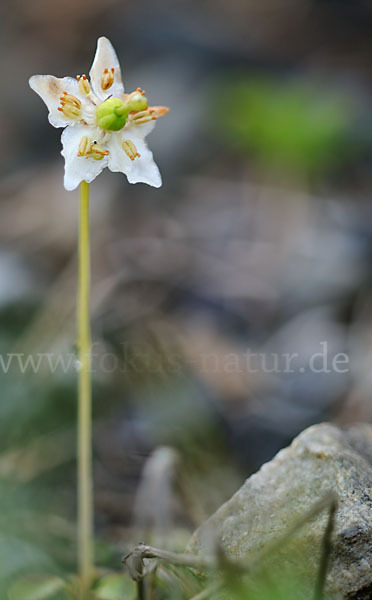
{"type": "Point", "coordinates": [107, 79]}
{"type": "Point", "coordinates": [84, 146]}
{"type": "Point", "coordinates": [130, 149]}
{"type": "Point", "coordinates": [70, 106]}
{"type": "Point", "coordinates": [71, 112]}
{"type": "Point", "coordinates": [150, 114]}
{"type": "Point", "coordinates": [143, 116]}
{"type": "Point", "coordinates": [70, 99]}
{"type": "Point", "coordinates": [98, 152]}
{"type": "Point", "coordinates": [91, 149]}
{"type": "Point", "coordinates": [84, 86]}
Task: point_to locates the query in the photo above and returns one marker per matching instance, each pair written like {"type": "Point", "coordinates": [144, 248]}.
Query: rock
{"type": "Point", "coordinates": [320, 459]}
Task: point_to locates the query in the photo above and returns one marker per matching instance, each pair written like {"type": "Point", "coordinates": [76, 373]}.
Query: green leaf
{"type": "Point", "coordinates": [41, 587]}
{"type": "Point", "coordinates": [115, 587]}
{"type": "Point", "coordinates": [293, 124]}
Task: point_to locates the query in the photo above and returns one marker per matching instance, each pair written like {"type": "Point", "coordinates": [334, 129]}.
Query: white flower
{"type": "Point", "coordinates": [104, 126]}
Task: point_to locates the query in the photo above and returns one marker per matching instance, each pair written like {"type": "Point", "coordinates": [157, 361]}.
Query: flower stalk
{"type": "Point", "coordinates": [103, 127]}
{"type": "Point", "coordinates": [84, 442]}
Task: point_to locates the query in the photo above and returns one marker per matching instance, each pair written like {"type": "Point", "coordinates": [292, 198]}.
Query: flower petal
{"type": "Point", "coordinates": [105, 58]}
{"type": "Point", "coordinates": [142, 169]}
{"type": "Point", "coordinates": [140, 130]}
{"type": "Point", "coordinates": [143, 129]}
{"type": "Point", "coordinates": [79, 168]}
{"type": "Point", "coordinates": [50, 90]}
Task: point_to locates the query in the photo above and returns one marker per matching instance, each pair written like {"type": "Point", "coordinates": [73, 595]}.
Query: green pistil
{"type": "Point", "coordinates": [112, 114]}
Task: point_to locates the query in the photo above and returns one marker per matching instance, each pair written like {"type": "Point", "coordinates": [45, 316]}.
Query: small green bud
{"type": "Point", "coordinates": [110, 114]}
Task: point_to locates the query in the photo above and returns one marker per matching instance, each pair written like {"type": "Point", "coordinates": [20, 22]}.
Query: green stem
{"type": "Point", "coordinates": [85, 479]}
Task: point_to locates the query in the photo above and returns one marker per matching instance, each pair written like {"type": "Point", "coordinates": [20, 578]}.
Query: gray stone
{"type": "Point", "coordinates": [320, 459]}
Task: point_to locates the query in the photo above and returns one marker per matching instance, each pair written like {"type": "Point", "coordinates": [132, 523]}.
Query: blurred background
{"type": "Point", "coordinates": [258, 246]}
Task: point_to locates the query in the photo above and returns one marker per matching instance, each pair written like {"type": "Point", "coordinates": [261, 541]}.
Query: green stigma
{"type": "Point", "coordinates": [112, 114]}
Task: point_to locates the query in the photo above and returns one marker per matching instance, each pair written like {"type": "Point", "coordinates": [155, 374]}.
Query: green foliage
{"type": "Point", "coordinates": [292, 125]}
{"type": "Point", "coordinates": [264, 587]}
{"type": "Point", "coordinates": [37, 588]}
{"type": "Point", "coordinates": [115, 587]}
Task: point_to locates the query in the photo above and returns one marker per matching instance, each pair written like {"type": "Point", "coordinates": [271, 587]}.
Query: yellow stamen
{"type": "Point", "coordinates": [70, 99]}
{"type": "Point", "coordinates": [71, 112]}
{"type": "Point", "coordinates": [142, 116]}
{"type": "Point", "coordinates": [130, 149]}
{"type": "Point", "coordinates": [84, 86]}
{"type": "Point", "coordinates": [84, 146]}
{"type": "Point", "coordinates": [70, 106]}
{"type": "Point", "coordinates": [98, 152]}
{"type": "Point", "coordinates": [151, 114]}
{"type": "Point", "coordinates": [91, 149]}
{"type": "Point", "coordinates": [107, 79]}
